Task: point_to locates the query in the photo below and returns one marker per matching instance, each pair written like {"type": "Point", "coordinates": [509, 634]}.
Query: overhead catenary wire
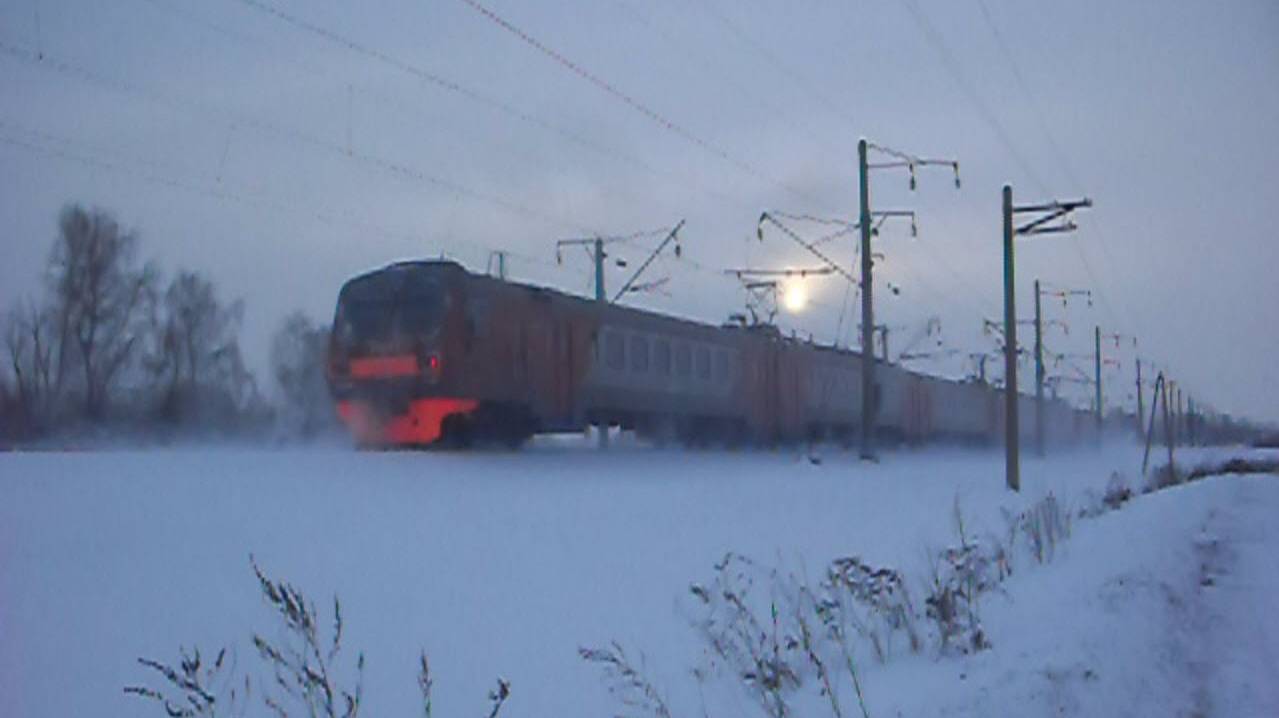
{"type": "Point", "coordinates": [1061, 156]}
{"type": "Point", "coordinates": [233, 120]}
{"type": "Point", "coordinates": [951, 62]}
{"type": "Point", "coordinates": [631, 101]}
{"type": "Point", "coordinates": [782, 67]}
{"type": "Point", "coordinates": [705, 59]}
{"type": "Point", "coordinates": [952, 65]}
{"type": "Point", "coordinates": [61, 148]}
{"type": "Point", "coordinates": [441, 82]}
{"type": "Point", "coordinates": [821, 98]}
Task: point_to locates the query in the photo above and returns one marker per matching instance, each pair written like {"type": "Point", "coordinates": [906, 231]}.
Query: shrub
{"type": "Point", "coordinates": [754, 648]}
{"type": "Point", "coordinates": [882, 594]}
{"type": "Point", "coordinates": [304, 664]}
{"type": "Point", "coordinates": [626, 681]}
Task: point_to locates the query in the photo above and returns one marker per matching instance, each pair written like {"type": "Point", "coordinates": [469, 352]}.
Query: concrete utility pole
{"type": "Point", "coordinates": [1181, 415]}
{"type": "Point", "coordinates": [1141, 406]}
{"type": "Point", "coordinates": [595, 247]}
{"type": "Point", "coordinates": [1039, 375]}
{"type": "Point", "coordinates": [598, 256]}
{"type": "Point", "coordinates": [868, 314]}
{"type": "Point", "coordinates": [1012, 460]}
{"type": "Point", "coordinates": [1101, 415]}
{"type": "Point", "coordinates": [1189, 420]}
{"type": "Point", "coordinates": [1047, 213]}
{"type": "Point", "coordinates": [900, 160]}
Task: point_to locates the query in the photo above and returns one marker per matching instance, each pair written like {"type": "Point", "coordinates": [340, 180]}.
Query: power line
{"type": "Point", "coordinates": [952, 65]}
{"type": "Point", "coordinates": [452, 86]}
{"type": "Point", "coordinates": [706, 59]}
{"type": "Point", "coordinates": [256, 197]}
{"type": "Point", "coordinates": [203, 111]}
{"type": "Point", "coordinates": [769, 56]}
{"type": "Point", "coordinates": [1061, 156]}
{"type": "Point", "coordinates": [627, 99]}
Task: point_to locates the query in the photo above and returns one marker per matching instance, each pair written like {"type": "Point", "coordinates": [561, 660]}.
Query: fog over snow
{"type": "Point", "coordinates": [281, 162]}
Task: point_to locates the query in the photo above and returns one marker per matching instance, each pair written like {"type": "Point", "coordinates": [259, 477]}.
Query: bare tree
{"type": "Point", "coordinates": [298, 363]}
{"type": "Point", "coordinates": [30, 351]}
{"type": "Point", "coordinates": [193, 353]}
{"type": "Point", "coordinates": [98, 290]}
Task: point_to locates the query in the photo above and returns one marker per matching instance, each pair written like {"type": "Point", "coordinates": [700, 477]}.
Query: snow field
{"type": "Point", "coordinates": [504, 564]}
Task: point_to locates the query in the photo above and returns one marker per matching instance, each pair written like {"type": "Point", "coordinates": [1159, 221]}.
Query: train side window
{"type": "Point", "coordinates": [639, 354]}
{"type": "Point", "coordinates": [662, 357]}
{"type": "Point", "coordinates": [683, 360]}
{"type": "Point", "coordinates": [703, 363]}
{"type": "Point", "coordinates": [614, 351]}
{"type": "Point", "coordinates": [721, 366]}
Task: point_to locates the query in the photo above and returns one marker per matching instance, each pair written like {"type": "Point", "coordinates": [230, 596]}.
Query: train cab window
{"type": "Point", "coordinates": [683, 360]}
{"type": "Point", "coordinates": [662, 357]}
{"type": "Point", "coordinates": [721, 367]}
{"type": "Point", "coordinates": [704, 363]}
{"type": "Point", "coordinates": [614, 351]}
{"type": "Point", "coordinates": [639, 354]}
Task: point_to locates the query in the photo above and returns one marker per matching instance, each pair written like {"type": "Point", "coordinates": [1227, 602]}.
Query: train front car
{"type": "Point", "coordinates": [392, 355]}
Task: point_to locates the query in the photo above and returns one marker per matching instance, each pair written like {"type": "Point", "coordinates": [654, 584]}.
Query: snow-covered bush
{"type": "Point", "coordinates": [1162, 477]}
{"type": "Point", "coordinates": [626, 681]}
{"type": "Point", "coordinates": [959, 575]}
{"type": "Point", "coordinates": [303, 660]}
{"type": "Point", "coordinates": [195, 688]}
{"type": "Point", "coordinates": [1117, 494]}
{"type": "Point", "coordinates": [1117, 491]}
{"type": "Point", "coordinates": [771, 647]}
{"type": "Point", "coordinates": [873, 601]}
{"type": "Point", "coordinates": [765, 656]}
{"type": "Point", "coordinates": [1042, 527]}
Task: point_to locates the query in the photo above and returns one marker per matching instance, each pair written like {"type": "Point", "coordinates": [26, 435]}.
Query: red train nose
{"type": "Point", "coordinates": [419, 425]}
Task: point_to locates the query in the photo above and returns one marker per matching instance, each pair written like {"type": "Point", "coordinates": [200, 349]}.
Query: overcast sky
{"type": "Point", "coordinates": [284, 146]}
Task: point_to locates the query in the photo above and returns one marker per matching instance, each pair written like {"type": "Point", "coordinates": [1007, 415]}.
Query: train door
{"type": "Point", "coordinates": [775, 393]}
{"type": "Point", "coordinates": [541, 356]}
{"type": "Point", "coordinates": [562, 370]}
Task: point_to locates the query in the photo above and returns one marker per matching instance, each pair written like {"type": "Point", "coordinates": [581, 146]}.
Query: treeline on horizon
{"type": "Point", "coordinates": [112, 346]}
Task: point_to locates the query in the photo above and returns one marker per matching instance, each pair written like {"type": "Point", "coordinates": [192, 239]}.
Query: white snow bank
{"type": "Point", "coordinates": [1159, 609]}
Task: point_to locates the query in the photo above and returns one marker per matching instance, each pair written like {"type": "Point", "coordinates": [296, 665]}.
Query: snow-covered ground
{"type": "Point", "coordinates": [505, 563]}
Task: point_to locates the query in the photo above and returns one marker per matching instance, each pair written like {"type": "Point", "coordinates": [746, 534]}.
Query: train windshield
{"type": "Point", "coordinates": [389, 309]}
